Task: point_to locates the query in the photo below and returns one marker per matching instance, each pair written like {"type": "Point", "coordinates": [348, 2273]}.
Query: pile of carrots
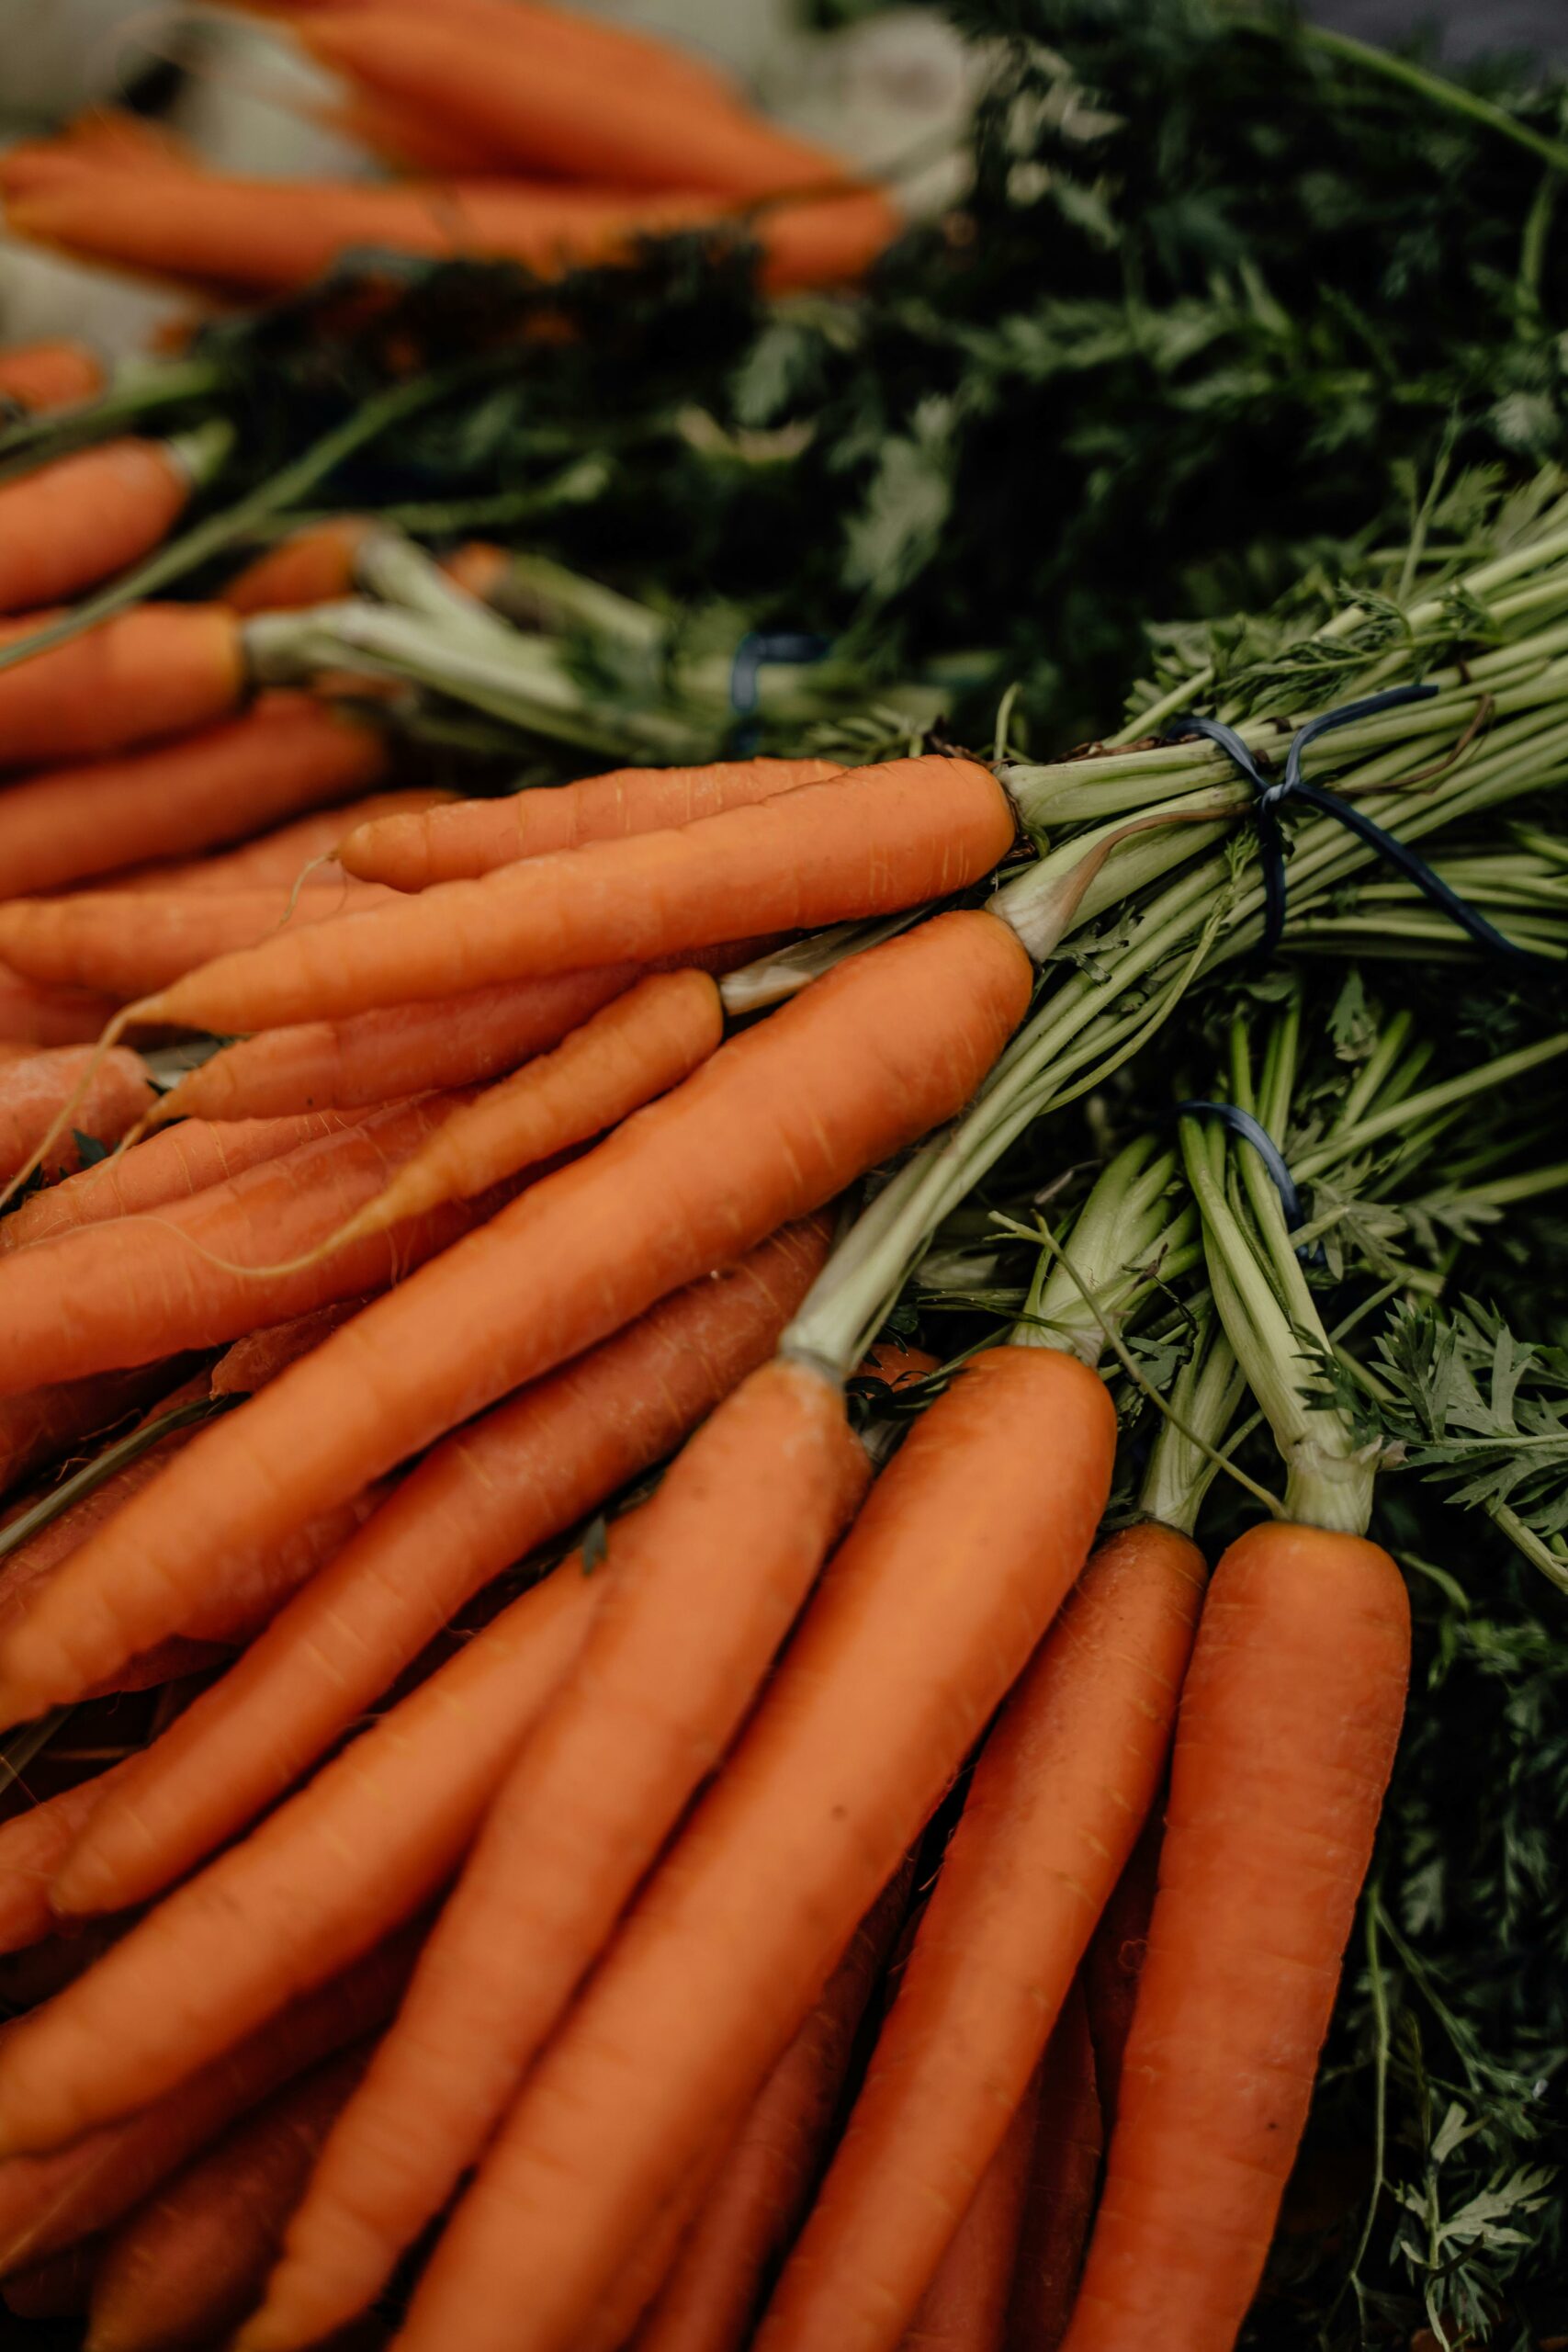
{"type": "Point", "coordinates": [518, 131]}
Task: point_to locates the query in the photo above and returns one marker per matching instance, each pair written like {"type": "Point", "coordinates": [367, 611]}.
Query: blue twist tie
{"type": "Point", "coordinates": [756, 648]}
{"type": "Point", "coordinates": [1273, 795]}
{"type": "Point", "coordinates": [1253, 1131]}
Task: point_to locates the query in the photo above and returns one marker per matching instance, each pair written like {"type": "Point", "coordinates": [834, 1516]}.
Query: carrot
{"type": "Point", "coordinates": [754, 2206]}
{"type": "Point", "coordinates": [61, 2288]}
{"type": "Point", "coordinates": [1114, 1963]}
{"type": "Point", "coordinates": [37, 376]}
{"type": "Point", "coordinates": [105, 1096]}
{"type": "Point", "coordinates": [772, 1126]}
{"type": "Point", "coordinates": [349, 1858]}
{"type": "Point", "coordinates": [40, 1424]}
{"type": "Point", "coordinates": [409, 141]}
{"type": "Point", "coordinates": [1069, 2142]}
{"type": "Point", "coordinates": [636, 1049]}
{"type": "Point", "coordinates": [489, 1495]}
{"type": "Point", "coordinates": [32, 1845]}
{"type": "Point", "coordinates": [953, 1568]}
{"type": "Point", "coordinates": [315, 566]}
{"type": "Point", "coordinates": [76, 520]}
{"type": "Point", "coordinates": [174, 1286]}
{"type": "Point", "coordinates": [1060, 1793]}
{"type": "Point", "coordinates": [667, 1669]}
{"type": "Point", "coordinates": [473, 837]}
{"type": "Point", "coordinates": [160, 670]}
{"type": "Point", "coordinates": [557, 113]}
{"type": "Point", "coordinates": [166, 1168]}
{"type": "Point", "coordinates": [267, 235]}
{"type": "Point", "coordinates": [52, 2202]}
{"type": "Point", "coordinates": [186, 2268]}
{"type": "Point", "coordinates": [1284, 1743]}
{"type": "Point", "coordinates": [283, 854]}
{"type": "Point", "coordinates": [50, 1016]}
{"type": "Point", "coordinates": [261, 1355]}
{"type": "Point", "coordinates": [288, 753]}
{"type": "Point", "coordinates": [965, 2307]}
{"type": "Point", "coordinates": [128, 942]}
{"type": "Point", "coordinates": [861, 844]}
{"type": "Point", "coordinates": [400, 1049]}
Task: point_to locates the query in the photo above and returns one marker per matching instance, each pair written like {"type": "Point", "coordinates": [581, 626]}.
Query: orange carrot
{"type": "Point", "coordinates": [160, 670]}
{"type": "Point", "coordinates": [349, 1858]}
{"type": "Point", "coordinates": [409, 141]}
{"type": "Point", "coordinates": [1070, 2143]}
{"type": "Point", "coordinates": [32, 1845]}
{"type": "Point", "coordinates": [87, 1302]}
{"type": "Point", "coordinates": [49, 2202]}
{"type": "Point", "coordinates": [1060, 1793]}
{"type": "Point", "coordinates": [126, 942]}
{"type": "Point", "coordinates": [315, 566]}
{"type": "Point", "coordinates": [965, 2307]}
{"type": "Point", "coordinates": [186, 2268]}
{"type": "Point", "coordinates": [168, 1168]}
{"type": "Point", "coordinates": [76, 520]}
{"type": "Point", "coordinates": [105, 1096]}
{"type": "Point", "coordinates": [488, 1495]}
{"type": "Point", "coordinates": [398, 1050]}
{"type": "Point", "coordinates": [669, 1667]}
{"type": "Point", "coordinates": [557, 113]}
{"type": "Point", "coordinates": [473, 837]}
{"type": "Point", "coordinates": [60, 2289]}
{"type": "Point", "coordinates": [772, 1126]}
{"type": "Point", "coordinates": [41, 1424]}
{"type": "Point", "coordinates": [37, 375]}
{"type": "Point", "coordinates": [261, 1355]}
{"type": "Point", "coordinates": [754, 2206]}
{"type": "Point", "coordinates": [636, 1049]}
{"type": "Point", "coordinates": [50, 1016]}
{"type": "Point", "coordinates": [953, 1569]}
{"type": "Point", "coordinates": [283, 854]}
{"type": "Point", "coordinates": [865, 843]}
{"type": "Point", "coordinates": [1284, 1743]}
{"type": "Point", "coordinates": [290, 752]}
{"type": "Point", "coordinates": [1115, 1963]}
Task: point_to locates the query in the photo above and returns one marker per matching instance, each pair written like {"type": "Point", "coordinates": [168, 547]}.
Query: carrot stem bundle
{"type": "Point", "coordinates": [290, 752]}
{"type": "Point", "coordinates": [772, 1126]}
{"type": "Point", "coordinates": [473, 837]}
{"type": "Point", "coordinates": [488, 1495]}
{"type": "Point", "coordinates": [952, 1570]}
{"type": "Point", "coordinates": [344, 1862]}
{"type": "Point", "coordinates": [667, 1670]}
{"type": "Point", "coordinates": [1059, 1794]}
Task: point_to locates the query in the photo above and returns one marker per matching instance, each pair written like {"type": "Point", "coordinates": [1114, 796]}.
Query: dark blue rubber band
{"type": "Point", "coordinates": [755, 648]}
{"type": "Point", "coordinates": [1253, 1131]}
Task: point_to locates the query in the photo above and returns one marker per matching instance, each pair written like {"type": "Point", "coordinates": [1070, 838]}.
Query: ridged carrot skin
{"type": "Point", "coordinates": [770, 1128]}
{"type": "Point", "coordinates": [1285, 1741]}
{"type": "Point", "coordinates": [37, 376]}
{"type": "Point", "coordinates": [280, 855]}
{"type": "Point", "coordinates": [72, 523]}
{"type": "Point", "coordinates": [473, 837]}
{"type": "Point", "coordinates": [399, 1049]}
{"type": "Point", "coordinates": [1059, 1794]}
{"type": "Point", "coordinates": [158, 1173]}
{"type": "Point", "coordinates": [489, 1496]}
{"type": "Point", "coordinates": [186, 2268]}
{"type": "Point", "coordinates": [953, 1569]}
{"type": "Point", "coordinates": [750, 2212]}
{"type": "Point", "coordinates": [126, 942]}
{"type": "Point", "coordinates": [49, 2202]}
{"type": "Point", "coordinates": [159, 670]}
{"type": "Point", "coordinates": [85, 1303]}
{"type": "Point", "coordinates": [366, 1844]}
{"type": "Point", "coordinates": [1063, 2180]}
{"type": "Point", "coordinates": [965, 2307]}
{"type": "Point", "coordinates": [868, 841]}
{"type": "Point", "coordinates": [113, 1095]}
{"type": "Point", "coordinates": [315, 566]}
{"type": "Point", "coordinates": [288, 753]}
{"type": "Point", "coordinates": [669, 1667]}
{"type": "Point", "coordinates": [261, 1355]}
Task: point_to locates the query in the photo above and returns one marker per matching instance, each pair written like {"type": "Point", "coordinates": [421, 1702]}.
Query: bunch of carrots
{"type": "Point", "coordinates": [515, 130]}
